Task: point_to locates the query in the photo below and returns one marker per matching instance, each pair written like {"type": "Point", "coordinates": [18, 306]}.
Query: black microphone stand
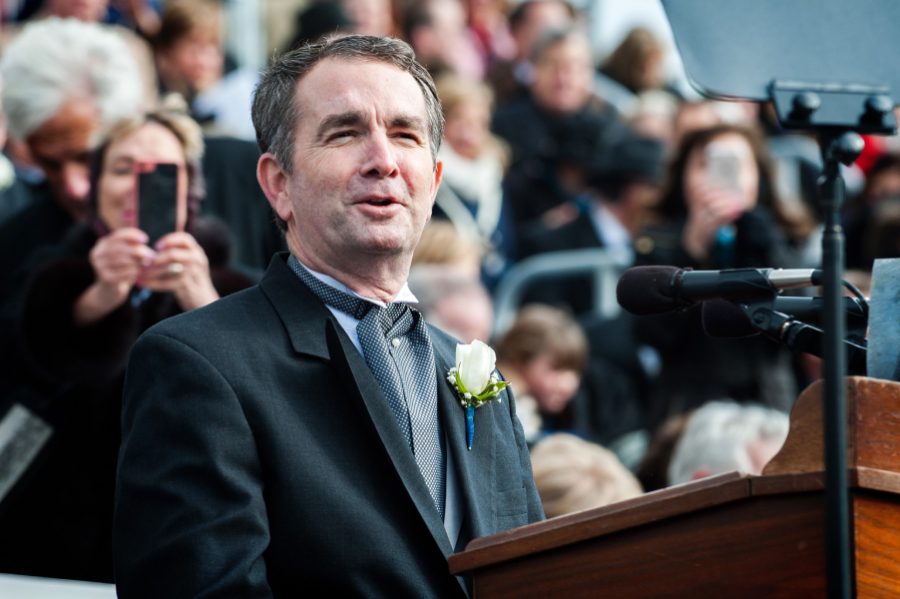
{"type": "Point", "coordinates": [825, 64]}
{"type": "Point", "coordinates": [837, 113]}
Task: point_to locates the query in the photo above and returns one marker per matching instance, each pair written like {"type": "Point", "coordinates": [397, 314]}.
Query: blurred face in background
{"type": "Point", "coordinates": [61, 147]}
{"type": "Point", "coordinates": [551, 386]}
{"type": "Point", "coordinates": [83, 10]}
{"type": "Point", "coordinates": [564, 75]}
{"type": "Point", "coordinates": [194, 62]}
{"type": "Point", "coordinates": [467, 314]}
{"type": "Point", "coordinates": [467, 126]}
{"type": "Point", "coordinates": [444, 41]}
{"type": "Point", "coordinates": [540, 17]}
{"type": "Point", "coordinates": [117, 199]}
{"type": "Point", "coordinates": [370, 17]}
{"type": "Point", "coordinates": [726, 162]}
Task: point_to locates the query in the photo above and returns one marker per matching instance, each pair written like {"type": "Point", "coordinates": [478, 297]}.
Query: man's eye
{"type": "Point", "coordinates": [344, 134]}
{"type": "Point", "coordinates": [407, 135]}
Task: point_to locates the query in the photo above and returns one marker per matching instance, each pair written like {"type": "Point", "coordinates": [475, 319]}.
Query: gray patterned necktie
{"type": "Point", "coordinates": [397, 349]}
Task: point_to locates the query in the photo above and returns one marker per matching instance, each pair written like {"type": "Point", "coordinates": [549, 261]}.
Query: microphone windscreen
{"type": "Point", "coordinates": [644, 290]}
{"type": "Point", "coordinates": [721, 318]}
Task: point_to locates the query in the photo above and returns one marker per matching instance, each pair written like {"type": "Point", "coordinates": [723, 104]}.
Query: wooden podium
{"type": "Point", "coordinates": [731, 535]}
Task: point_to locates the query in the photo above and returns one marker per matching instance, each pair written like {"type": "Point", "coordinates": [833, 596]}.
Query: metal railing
{"type": "Point", "coordinates": [604, 265]}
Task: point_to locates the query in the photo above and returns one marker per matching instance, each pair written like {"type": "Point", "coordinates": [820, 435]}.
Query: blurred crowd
{"type": "Point", "coordinates": [549, 149]}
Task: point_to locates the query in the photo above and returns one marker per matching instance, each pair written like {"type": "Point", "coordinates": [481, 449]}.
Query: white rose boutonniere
{"type": "Point", "coordinates": [476, 381]}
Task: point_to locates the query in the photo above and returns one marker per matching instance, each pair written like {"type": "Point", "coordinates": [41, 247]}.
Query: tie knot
{"type": "Point", "coordinates": [395, 319]}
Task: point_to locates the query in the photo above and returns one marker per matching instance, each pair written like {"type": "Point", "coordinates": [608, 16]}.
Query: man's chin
{"type": "Point", "coordinates": [386, 247]}
{"type": "Point", "coordinates": [387, 240]}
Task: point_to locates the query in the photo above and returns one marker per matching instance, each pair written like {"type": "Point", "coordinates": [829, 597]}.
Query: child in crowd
{"type": "Point", "coordinates": [543, 355]}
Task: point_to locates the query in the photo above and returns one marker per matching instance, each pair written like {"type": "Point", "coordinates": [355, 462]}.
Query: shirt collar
{"type": "Point", "coordinates": [405, 296]}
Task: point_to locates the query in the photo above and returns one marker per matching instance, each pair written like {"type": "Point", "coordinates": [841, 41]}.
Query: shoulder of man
{"type": "Point", "coordinates": [236, 315]}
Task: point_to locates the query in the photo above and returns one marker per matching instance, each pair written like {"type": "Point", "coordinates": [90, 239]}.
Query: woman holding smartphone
{"type": "Point", "coordinates": [717, 211]}
{"type": "Point", "coordinates": [84, 308]}
{"type": "Point", "coordinates": [148, 158]}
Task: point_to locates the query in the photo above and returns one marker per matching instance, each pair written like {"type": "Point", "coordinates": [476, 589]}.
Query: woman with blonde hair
{"type": "Point", "coordinates": [475, 160]}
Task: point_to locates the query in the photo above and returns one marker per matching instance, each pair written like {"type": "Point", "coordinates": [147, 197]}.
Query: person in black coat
{"type": "Point", "coordinates": [539, 128]}
{"type": "Point", "coordinates": [268, 461]}
{"type": "Point", "coordinates": [85, 306]}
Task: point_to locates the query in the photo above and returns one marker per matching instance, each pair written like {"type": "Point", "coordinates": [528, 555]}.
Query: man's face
{"type": "Point", "coordinates": [563, 77]}
{"type": "Point", "coordinates": [61, 148]}
{"type": "Point", "coordinates": [194, 62]}
{"type": "Point", "coordinates": [363, 179]}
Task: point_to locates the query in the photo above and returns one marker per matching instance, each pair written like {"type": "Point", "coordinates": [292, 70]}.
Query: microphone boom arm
{"type": "Point", "coordinates": [802, 337]}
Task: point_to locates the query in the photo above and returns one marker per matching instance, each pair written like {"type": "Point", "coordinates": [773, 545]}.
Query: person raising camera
{"type": "Point", "coordinates": [84, 307]}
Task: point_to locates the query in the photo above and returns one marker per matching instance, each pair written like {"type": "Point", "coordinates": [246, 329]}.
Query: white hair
{"type": "Point", "coordinates": [718, 435]}
{"type": "Point", "coordinates": [53, 60]}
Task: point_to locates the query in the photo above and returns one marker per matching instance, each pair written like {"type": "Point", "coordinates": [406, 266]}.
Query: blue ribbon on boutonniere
{"type": "Point", "coordinates": [475, 380]}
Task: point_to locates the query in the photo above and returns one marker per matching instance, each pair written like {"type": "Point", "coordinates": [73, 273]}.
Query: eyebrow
{"type": "Point", "coordinates": [353, 119]}
{"type": "Point", "coordinates": [336, 121]}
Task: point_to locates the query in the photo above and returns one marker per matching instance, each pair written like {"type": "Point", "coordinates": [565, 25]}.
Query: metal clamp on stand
{"type": "Point", "coordinates": [833, 108]}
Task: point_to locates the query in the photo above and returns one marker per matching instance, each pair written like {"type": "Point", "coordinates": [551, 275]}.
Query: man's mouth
{"type": "Point", "coordinates": [379, 201]}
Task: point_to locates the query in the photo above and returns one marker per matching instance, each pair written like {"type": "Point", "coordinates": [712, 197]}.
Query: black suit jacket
{"type": "Point", "coordinates": [260, 458]}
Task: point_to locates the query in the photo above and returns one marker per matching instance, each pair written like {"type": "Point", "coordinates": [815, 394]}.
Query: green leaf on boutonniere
{"type": "Point", "coordinates": [475, 380]}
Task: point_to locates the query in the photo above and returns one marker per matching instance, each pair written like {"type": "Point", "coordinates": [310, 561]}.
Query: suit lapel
{"type": "Point", "coordinates": [352, 367]}
{"type": "Point", "coordinates": [301, 312]}
{"type": "Point", "coordinates": [313, 331]}
{"type": "Point", "coordinates": [475, 467]}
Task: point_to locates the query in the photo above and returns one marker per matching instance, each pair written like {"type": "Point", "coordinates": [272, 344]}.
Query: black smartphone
{"type": "Point", "coordinates": [157, 199]}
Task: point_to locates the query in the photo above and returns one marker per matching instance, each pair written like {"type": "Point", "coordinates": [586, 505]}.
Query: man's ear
{"type": "Point", "coordinates": [275, 183]}
{"type": "Point", "coordinates": [438, 174]}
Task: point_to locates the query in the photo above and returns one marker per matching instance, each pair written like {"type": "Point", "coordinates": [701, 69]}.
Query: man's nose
{"type": "Point", "coordinates": [76, 181]}
{"type": "Point", "coordinates": [381, 157]}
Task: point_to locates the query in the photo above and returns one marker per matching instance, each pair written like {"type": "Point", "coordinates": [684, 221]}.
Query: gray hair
{"type": "Point", "coordinates": [553, 37]}
{"type": "Point", "coordinates": [572, 474]}
{"type": "Point", "coordinates": [53, 60]}
{"type": "Point", "coordinates": [275, 113]}
{"type": "Point", "coordinates": [717, 437]}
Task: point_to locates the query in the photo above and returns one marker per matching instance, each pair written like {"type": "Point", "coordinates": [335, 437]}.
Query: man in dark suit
{"type": "Point", "coordinates": [619, 184]}
{"type": "Point", "coordinates": [266, 451]}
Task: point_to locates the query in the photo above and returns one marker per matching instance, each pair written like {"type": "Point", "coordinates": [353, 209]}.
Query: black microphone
{"type": "Point", "coordinates": [722, 318]}
{"type": "Point", "coordinates": [656, 289]}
